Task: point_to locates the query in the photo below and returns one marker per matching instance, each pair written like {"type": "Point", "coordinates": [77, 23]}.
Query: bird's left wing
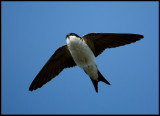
{"type": "Point", "coordinates": [58, 61]}
{"type": "Point", "coordinates": [98, 42]}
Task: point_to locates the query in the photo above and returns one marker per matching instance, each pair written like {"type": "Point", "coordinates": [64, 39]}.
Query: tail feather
{"type": "Point", "coordinates": [101, 78]}
{"type": "Point", "coordinates": [95, 83]}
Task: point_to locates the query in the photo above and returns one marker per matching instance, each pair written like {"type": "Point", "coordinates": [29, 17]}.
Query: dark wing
{"type": "Point", "coordinates": [58, 61]}
{"type": "Point", "coordinates": [98, 42]}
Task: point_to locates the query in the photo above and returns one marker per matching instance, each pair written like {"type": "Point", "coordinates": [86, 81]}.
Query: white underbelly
{"type": "Point", "coordinates": [81, 54]}
{"type": "Point", "coordinates": [83, 57]}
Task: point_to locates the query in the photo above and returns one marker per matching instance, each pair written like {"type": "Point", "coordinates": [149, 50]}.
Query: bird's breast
{"type": "Point", "coordinates": [80, 52]}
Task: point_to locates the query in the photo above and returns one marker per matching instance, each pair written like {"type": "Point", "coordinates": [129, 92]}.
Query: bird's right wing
{"type": "Point", "coordinates": [58, 61]}
{"type": "Point", "coordinates": [98, 42]}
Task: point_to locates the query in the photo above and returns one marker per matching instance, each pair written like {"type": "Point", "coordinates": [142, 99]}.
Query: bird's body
{"type": "Point", "coordinates": [82, 51]}
{"type": "Point", "coordinates": [83, 56]}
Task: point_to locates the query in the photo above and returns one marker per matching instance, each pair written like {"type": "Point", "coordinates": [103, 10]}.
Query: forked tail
{"type": "Point", "coordinates": [100, 78]}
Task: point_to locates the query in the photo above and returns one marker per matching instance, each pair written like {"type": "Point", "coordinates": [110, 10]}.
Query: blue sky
{"type": "Point", "coordinates": [32, 31]}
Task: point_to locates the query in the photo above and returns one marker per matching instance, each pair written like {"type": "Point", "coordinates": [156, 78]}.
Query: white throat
{"type": "Point", "coordinates": [72, 39]}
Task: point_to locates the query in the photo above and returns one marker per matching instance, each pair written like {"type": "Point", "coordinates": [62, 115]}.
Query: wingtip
{"type": "Point", "coordinates": [30, 89]}
{"type": "Point", "coordinates": [141, 36]}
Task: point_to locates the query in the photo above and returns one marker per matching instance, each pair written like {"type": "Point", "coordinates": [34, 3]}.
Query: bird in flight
{"type": "Point", "coordinates": [82, 51]}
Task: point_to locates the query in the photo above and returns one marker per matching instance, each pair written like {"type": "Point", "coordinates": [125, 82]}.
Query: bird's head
{"type": "Point", "coordinates": [71, 34]}
{"type": "Point", "coordinates": [72, 37]}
